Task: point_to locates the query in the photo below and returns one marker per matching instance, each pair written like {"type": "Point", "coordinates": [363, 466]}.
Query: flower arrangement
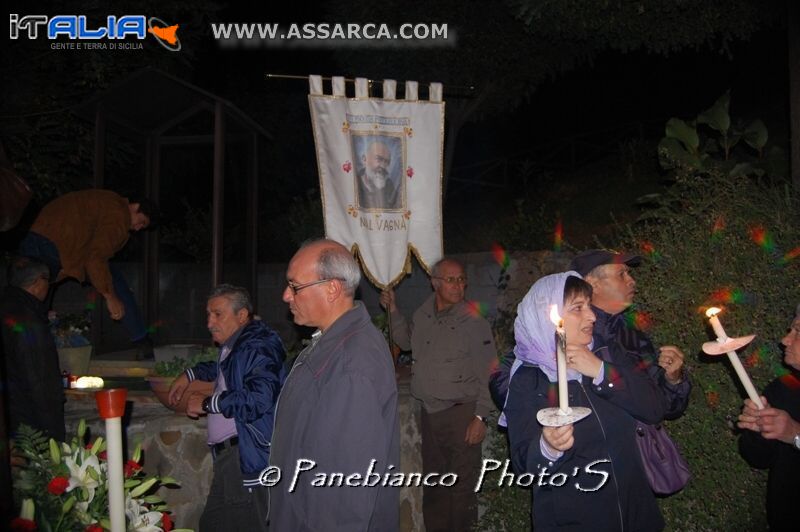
{"type": "Point", "coordinates": [70, 330]}
{"type": "Point", "coordinates": [63, 487]}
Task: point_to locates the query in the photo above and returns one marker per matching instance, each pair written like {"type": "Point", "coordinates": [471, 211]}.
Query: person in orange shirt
{"type": "Point", "coordinates": [76, 234]}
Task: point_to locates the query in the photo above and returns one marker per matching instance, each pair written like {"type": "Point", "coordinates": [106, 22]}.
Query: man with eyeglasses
{"type": "Point", "coordinates": [453, 350]}
{"type": "Point", "coordinates": [32, 376]}
{"type": "Point", "coordinates": [337, 412]}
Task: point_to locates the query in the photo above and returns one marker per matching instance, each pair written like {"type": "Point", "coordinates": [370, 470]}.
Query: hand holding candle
{"type": "Point", "coordinates": [729, 347]}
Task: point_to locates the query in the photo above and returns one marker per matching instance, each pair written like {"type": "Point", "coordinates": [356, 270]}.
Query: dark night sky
{"type": "Point", "coordinates": [614, 89]}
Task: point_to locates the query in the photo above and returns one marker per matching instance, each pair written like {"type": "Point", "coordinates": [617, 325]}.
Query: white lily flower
{"type": "Point", "coordinates": [79, 474]}
{"type": "Point", "coordinates": [140, 519]}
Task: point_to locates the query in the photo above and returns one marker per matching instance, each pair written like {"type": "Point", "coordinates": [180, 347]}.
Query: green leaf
{"type": "Point", "coordinates": [68, 504]}
{"type": "Point", "coordinates": [686, 134]}
{"type": "Point", "coordinates": [672, 153]}
{"type": "Point", "coordinates": [755, 135]}
{"type": "Point", "coordinates": [717, 116]}
{"type": "Point", "coordinates": [27, 510]}
{"type": "Point", "coordinates": [146, 485]}
{"type": "Point", "coordinates": [97, 445]}
{"type": "Point", "coordinates": [92, 473]}
{"type": "Point", "coordinates": [55, 452]}
{"type": "Point", "coordinates": [81, 429]}
{"type": "Point", "coordinates": [741, 169]}
{"type": "Point", "coordinates": [137, 453]}
{"type": "Point", "coordinates": [105, 523]}
{"type": "Point", "coordinates": [131, 482]}
{"type": "Point", "coordinates": [153, 499]}
{"type": "Point", "coordinates": [170, 480]}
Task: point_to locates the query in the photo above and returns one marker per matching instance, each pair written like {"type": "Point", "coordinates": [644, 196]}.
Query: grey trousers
{"type": "Point", "coordinates": [231, 506]}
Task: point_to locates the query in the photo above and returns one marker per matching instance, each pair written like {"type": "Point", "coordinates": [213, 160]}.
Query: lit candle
{"type": "Point", "coordinates": [561, 360]}
{"type": "Point", "coordinates": [733, 357]}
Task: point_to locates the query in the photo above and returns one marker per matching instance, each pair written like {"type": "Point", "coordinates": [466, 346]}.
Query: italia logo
{"type": "Point", "coordinates": [76, 27]}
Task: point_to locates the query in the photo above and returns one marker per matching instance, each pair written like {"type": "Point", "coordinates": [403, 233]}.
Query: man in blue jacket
{"type": "Point", "coordinates": [247, 379]}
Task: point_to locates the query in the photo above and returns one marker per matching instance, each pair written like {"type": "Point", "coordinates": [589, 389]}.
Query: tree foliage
{"type": "Point", "coordinates": [49, 145]}
{"type": "Point", "coordinates": [657, 26]}
{"type": "Point", "coordinates": [726, 241]}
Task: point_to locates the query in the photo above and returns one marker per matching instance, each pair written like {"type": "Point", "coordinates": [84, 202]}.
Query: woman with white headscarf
{"type": "Point", "coordinates": [588, 475]}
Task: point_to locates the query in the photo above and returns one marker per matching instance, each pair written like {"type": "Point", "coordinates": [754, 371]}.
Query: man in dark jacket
{"type": "Point", "coordinates": [613, 289]}
{"type": "Point", "coordinates": [247, 379]}
{"type": "Point", "coordinates": [32, 375]}
{"type": "Point", "coordinates": [337, 415]}
{"type": "Point", "coordinates": [772, 436]}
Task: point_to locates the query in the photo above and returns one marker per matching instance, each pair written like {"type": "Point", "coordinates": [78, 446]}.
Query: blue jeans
{"type": "Point", "coordinates": [36, 246]}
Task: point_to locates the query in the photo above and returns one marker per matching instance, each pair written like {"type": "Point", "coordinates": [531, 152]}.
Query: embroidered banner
{"type": "Point", "coordinates": [380, 173]}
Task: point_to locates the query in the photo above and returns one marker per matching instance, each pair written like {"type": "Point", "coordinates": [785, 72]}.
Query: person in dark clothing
{"type": "Point", "coordinates": [771, 437]}
{"type": "Point", "coordinates": [589, 474]}
{"type": "Point", "coordinates": [32, 376]}
{"type": "Point", "coordinates": [613, 289]}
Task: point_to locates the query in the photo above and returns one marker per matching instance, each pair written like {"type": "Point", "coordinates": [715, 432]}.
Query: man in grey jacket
{"type": "Point", "coordinates": [336, 432]}
{"type": "Point", "coordinates": [453, 350]}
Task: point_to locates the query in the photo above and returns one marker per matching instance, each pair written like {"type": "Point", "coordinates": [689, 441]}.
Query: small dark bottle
{"type": "Point", "coordinates": [65, 379]}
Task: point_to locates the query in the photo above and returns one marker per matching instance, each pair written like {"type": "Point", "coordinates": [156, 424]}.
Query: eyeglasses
{"type": "Point", "coordinates": [453, 280]}
{"type": "Point", "coordinates": [295, 288]}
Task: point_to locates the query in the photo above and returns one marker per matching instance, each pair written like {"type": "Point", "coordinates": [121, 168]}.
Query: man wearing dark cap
{"type": "Point", "coordinates": [613, 289]}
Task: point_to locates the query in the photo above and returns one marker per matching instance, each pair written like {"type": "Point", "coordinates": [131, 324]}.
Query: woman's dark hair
{"type": "Point", "coordinates": [574, 287]}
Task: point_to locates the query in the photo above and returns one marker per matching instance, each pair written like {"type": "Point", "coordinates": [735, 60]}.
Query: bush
{"type": "Point", "coordinates": [717, 240]}
{"type": "Point", "coordinates": [507, 508]}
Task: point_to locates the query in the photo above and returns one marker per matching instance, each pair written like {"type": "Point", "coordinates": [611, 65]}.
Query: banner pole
{"type": "Point", "coordinates": [391, 336]}
{"type": "Point", "coordinates": [469, 88]}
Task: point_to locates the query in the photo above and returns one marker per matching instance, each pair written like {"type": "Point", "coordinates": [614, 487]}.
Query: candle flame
{"type": "Point", "coordinates": [554, 317]}
{"type": "Point", "coordinates": [713, 311]}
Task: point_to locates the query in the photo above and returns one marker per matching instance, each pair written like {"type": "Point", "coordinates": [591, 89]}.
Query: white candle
{"type": "Point", "coordinates": [722, 337]}
{"type": "Point", "coordinates": [116, 493]}
{"type": "Point", "coordinates": [111, 404]}
{"type": "Point", "coordinates": [561, 360]}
